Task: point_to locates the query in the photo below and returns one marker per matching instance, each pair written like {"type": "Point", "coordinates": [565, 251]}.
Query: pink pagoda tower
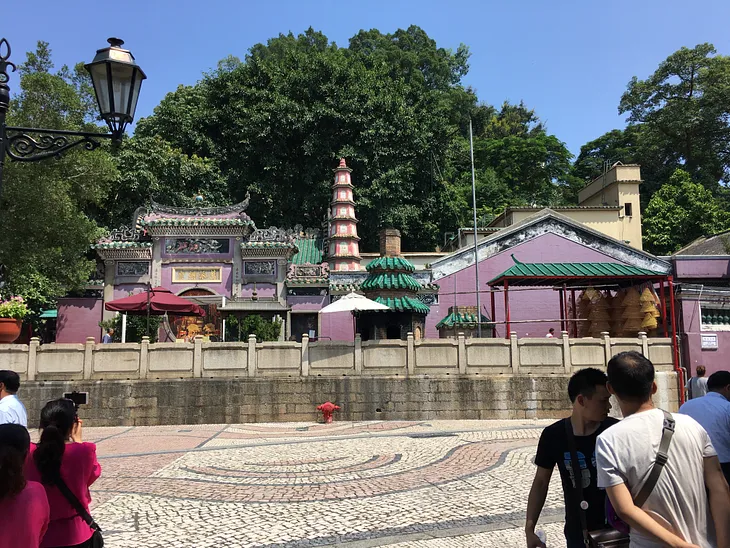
{"type": "Point", "coordinates": [343, 250]}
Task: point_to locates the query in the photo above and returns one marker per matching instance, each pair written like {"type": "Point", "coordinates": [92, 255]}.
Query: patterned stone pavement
{"type": "Point", "coordinates": [403, 484]}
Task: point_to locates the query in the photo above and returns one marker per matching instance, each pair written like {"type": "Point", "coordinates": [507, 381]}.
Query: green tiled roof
{"type": "Point", "coordinates": [460, 320]}
{"type": "Point", "coordinates": [390, 280]}
{"type": "Point", "coordinates": [404, 304]}
{"type": "Point", "coordinates": [310, 251]}
{"type": "Point", "coordinates": [390, 263]}
{"type": "Point", "coordinates": [267, 245]}
{"type": "Point", "coordinates": [318, 281]}
{"type": "Point", "coordinates": [121, 245]}
{"type": "Point", "coordinates": [194, 221]}
{"type": "Point", "coordinates": [548, 273]}
{"type": "Point", "coordinates": [346, 288]}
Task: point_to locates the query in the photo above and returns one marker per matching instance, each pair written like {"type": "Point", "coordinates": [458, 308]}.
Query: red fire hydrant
{"type": "Point", "coordinates": [328, 408]}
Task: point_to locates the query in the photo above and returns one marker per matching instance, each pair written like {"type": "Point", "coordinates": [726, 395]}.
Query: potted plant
{"type": "Point", "coordinates": [12, 313]}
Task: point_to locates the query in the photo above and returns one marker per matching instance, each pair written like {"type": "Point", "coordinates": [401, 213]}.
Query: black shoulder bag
{"type": "Point", "coordinates": [96, 539]}
{"type": "Point", "coordinates": [612, 537]}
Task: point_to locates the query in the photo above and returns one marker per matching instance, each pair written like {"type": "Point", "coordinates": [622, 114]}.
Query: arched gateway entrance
{"type": "Point", "coordinates": [186, 328]}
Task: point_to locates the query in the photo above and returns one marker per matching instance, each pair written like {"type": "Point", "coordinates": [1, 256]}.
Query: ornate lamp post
{"type": "Point", "coordinates": [117, 80]}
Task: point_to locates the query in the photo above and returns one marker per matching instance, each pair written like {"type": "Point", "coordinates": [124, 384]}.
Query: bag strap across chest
{"type": "Point", "coordinates": [651, 481]}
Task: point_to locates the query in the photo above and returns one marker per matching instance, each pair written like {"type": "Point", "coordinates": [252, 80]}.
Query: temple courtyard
{"type": "Point", "coordinates": [357, 484]}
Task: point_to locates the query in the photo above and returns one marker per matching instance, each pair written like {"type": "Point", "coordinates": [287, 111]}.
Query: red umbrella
{"type": "Point", "coordinates": [156, 301]}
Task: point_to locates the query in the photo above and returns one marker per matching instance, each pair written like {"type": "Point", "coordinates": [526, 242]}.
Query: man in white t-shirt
{"type": "Point", "coordinates": [691, 493]}
{"type": "Point", "coordinates": [11, 409]}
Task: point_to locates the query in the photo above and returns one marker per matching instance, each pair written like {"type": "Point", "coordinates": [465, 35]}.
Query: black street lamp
{"type": "Point", "coordinates": [117, 80]}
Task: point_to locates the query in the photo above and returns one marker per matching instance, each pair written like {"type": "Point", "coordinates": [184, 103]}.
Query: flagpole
{"type": "Point", "coordinates": [476, 249]}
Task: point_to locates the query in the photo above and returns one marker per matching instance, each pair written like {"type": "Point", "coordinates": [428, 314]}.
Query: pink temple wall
{"type": "Point", "coordinates": [224, 288]}
{"type": "Point", "coordinates": [124, 290]}
{"type": "Point", "coordinates": [308, 303]}
{"type": "Point", "coordinates": [337, 326]}
{"type": "Point", "coordinates": [78, 319]}
{"type": "Point", "coordinates": [691, 340]}
{"type": "Point", "coordinates": [524, 305]}
{"type": "Point", "coordinates": [697, 271]}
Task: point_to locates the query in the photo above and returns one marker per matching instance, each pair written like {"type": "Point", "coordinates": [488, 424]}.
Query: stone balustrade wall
{"type": "Point", "coordinates": [210, 383]}
{"type": "Point", "coordinates": [431, 357]}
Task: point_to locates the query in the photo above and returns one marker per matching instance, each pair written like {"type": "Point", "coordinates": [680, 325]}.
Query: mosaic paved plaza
{"type": "Point", "coordinates": [402, 484]}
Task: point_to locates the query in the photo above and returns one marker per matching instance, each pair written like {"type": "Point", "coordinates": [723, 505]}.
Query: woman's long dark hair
{"type": "Point", "coordinates": [14, 445]}
{"type": "Point", "coordinates": [57, 420]}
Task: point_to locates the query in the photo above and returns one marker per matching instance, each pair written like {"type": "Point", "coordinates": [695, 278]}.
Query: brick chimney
{"type": "Point", "coordinates": [389, 242]}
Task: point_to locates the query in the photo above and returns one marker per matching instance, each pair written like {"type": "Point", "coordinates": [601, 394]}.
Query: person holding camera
{"type": "Point", "coordinates": [66, 466]}
{"type": "Point", "coordinates": [22, 503]}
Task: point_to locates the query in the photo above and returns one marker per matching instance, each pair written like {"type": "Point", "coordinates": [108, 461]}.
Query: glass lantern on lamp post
{"type": "Point", "coordinates": [117, 80]}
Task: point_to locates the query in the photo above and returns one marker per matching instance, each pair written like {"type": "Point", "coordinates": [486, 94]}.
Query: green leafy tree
{"type": "Point", "coordinates": [275, 124]}
{"type": "Point", "coordinates": [136, 327]}
{"type": "Point", "coordinates": [684, 108]}
{"type": "Point", "coordinates": [238, 329]}
{"type": "Point", "coordinates": [150, 169]}
{"type": "Point", "coordinates": [44, 230]}
{"type": "Point", "coordinates": [680, 212]}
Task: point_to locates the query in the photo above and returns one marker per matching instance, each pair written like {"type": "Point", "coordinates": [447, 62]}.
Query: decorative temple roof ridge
{"type": "Point", "coordinates": [343, 201]}
{"type": "Point", "coordinates": [344, 218]}
{"type": "Point", "coordinates": [108, 244]}
{"type": "Point", "coordinates": [303, 274]}
{"type": "Point", "coordinates": [214, 211]}
{"type": "Point", "coordinates": [319, 282]}
{"type": "Point", "coordinates": [340, 287]}
{"type": "Point", "coordinates": [390, 264]}
{"type": "Point", "coordinates": [344, 288]}
{"type": "Point", "coordinates": [456, 319]}
{"type": "Point", "coordinates": [404, 304]}
{"type": "Point", "coordinates": [390, 280]}
{"type": "Point", "coordinates": [268, 245]}
{"type": "Point", "coordinates": [194, 221]}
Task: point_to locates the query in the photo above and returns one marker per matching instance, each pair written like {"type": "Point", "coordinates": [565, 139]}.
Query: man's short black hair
{"type": "Point", "coordinates": [718, 380]}
{"type": "Point", "coordinates": [584, 383]}
{"type": "Point", "coordinates": [10, 379]}
{"type": "Point", "coordinates": [631, 376]}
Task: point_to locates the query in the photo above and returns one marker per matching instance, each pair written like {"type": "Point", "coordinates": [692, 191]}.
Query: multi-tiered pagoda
{"type": "Point", "coordinates": [344, 248]}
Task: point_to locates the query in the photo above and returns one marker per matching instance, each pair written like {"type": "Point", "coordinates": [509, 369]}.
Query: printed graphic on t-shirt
{"type": "Point", "coordinates": [585, 473]}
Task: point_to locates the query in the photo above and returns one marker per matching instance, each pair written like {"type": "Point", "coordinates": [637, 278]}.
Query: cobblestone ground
{"type": "Point", "coordinates": [403, 484]}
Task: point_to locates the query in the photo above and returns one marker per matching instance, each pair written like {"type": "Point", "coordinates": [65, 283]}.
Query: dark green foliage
{"type": "Point", "coordinates": [239, 329]}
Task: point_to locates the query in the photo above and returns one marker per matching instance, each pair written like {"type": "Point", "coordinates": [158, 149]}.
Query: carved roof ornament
{"type": "Point", "coordinates": [274, 234]}
{"type": "Point", "coordinates": [200, 211]}
{"type": "Point", "coordinates": [123, 234]}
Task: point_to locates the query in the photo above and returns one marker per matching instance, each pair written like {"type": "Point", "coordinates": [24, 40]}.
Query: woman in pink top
{"type": "Point", "coordinates": [61, 451]}
{"type": "Point", "coordinates": [22, 503]}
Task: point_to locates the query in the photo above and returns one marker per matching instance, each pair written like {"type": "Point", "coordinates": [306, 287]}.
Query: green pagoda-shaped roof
{"type": "Point", "coordinates": [404, 304]}
{"type": "Point", "coordinates": [390, 264]}
{"type": "Point", "coordinates": [455, 319]}
{"type": "Point", "coordinates": [390, 280]}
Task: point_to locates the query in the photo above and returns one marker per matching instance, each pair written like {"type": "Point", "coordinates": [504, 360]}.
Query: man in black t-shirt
{"type": "Point", "coordinates": [587, 391]}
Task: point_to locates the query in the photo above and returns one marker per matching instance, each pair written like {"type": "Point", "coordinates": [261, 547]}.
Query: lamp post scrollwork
{"type": "Point", "coordinates": [117, 80]}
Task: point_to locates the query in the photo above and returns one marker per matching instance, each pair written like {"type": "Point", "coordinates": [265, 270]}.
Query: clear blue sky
{"type": "Point", "coordinates": [569, 60]}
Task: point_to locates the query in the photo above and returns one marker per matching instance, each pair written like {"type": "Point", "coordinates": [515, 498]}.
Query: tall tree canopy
{"type": "Point", "coordinates": [44, 231]}
{"type": "Point", "coordinates": [275, 124]}
{"type": "Point", "coordinates": [678, 118]}
{"type": "Point", "coordinates": [680, 212]}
